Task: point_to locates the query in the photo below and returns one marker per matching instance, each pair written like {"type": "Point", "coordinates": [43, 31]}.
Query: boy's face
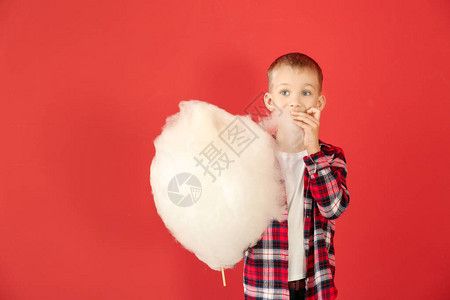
{"type": "Point", "coordinates": [295, 89]}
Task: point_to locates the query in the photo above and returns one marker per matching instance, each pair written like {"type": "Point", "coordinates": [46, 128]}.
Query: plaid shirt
{"type": "Point", "coordinates": [326, 197]}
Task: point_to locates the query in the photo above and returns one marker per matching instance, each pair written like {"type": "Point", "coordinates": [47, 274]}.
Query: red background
{"type": "Point", "coordinates": [86, 86]}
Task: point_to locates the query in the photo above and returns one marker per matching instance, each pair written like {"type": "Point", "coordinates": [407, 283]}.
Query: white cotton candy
{"type": "Point", "coordinates": [290, 136]}
{"type": "Point", "coordinates": [215, 219]}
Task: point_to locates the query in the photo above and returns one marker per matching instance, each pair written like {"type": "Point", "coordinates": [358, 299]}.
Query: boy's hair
{"type": "Point", "coordinates": [295, 60]}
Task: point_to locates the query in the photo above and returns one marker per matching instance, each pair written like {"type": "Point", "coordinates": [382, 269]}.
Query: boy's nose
{"type": "Point", "coordinates": [296, 106]}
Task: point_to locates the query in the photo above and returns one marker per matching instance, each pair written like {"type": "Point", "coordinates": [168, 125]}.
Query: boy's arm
{"type": "Point", "coordinates": [328, 182]}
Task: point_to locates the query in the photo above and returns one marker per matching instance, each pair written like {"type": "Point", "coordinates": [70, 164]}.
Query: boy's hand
{"type": "Point", "coordinates": [309, 121]}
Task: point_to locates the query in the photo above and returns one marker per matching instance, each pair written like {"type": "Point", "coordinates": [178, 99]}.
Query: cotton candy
{"type": "Point", "coordinates": [290, 136]}
{"type": "Point", "coordinates": [215, 182]}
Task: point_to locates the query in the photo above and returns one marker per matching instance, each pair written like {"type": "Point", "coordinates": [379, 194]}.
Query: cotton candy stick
{"type": "Point", "coordinates": [223, 277]}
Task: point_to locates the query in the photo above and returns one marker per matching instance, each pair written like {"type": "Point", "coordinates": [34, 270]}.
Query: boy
{"type": "Point", "coordinates": [294, 259]}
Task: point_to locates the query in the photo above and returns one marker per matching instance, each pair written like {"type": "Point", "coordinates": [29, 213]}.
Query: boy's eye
{"type": "Point", "coordinates": [306, 93]}
{"type": "Point", "coordinates": [284, 93]}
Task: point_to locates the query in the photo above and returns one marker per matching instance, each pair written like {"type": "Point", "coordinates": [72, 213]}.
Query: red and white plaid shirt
{"type": "Point", "coordinates": [326, 197]}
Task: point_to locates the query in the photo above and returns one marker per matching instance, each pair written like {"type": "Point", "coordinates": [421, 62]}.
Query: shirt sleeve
{"type": "Point", "coordinates": [328, 182]}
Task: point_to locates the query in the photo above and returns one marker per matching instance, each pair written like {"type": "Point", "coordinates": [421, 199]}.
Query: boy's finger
{"type": "Point", "coordinates": [307, 116]}
{"type": "Point", "coordinates": [302, 123]}
{"type": "Point", "coordinates": [315, 111]}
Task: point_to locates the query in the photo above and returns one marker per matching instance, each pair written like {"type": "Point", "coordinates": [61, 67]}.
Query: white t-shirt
{"type": "Point", "coordinates": [293, 167]}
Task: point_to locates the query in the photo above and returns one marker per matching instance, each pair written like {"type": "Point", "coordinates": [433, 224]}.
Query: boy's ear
{"type": "Point", "coordinates": [268, 102]}
{"type": "Point", "coordinates": [321, 102]}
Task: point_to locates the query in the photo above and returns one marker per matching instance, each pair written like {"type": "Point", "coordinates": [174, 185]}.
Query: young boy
{"type": "Point", "coordinates": [294, 259]}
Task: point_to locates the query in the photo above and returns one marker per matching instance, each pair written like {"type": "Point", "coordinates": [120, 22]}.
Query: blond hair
{"type": "Point", "coordinates": [298, 61]}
